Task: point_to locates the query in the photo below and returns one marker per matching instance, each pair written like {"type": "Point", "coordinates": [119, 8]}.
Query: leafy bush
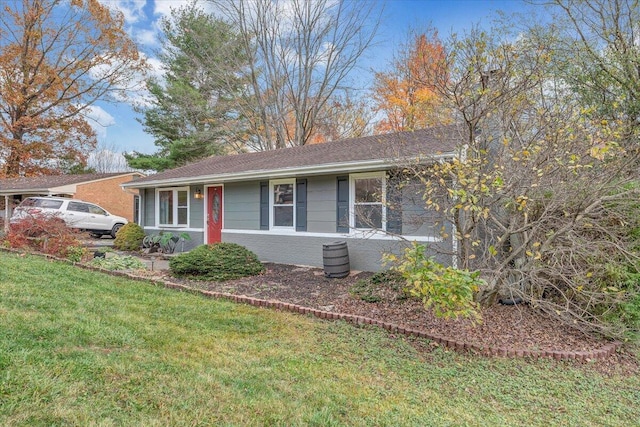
{"type": "Point", "coordinates": [118, 262]}
{"type": "Point", "coordinates": [617, 309]}
{"type": "Point", "coordinates": [47, 234]}
{"type": "Point", "coordinates": [373, 289]}
{"type": "Point", "coordinates": [629, 315]}
{"type": "Point", "coordinates": [219, 262]}
{"type": "Point", "coordinates": [76, 253]}
{"type": "Point", "coordinates": [449, 292]}
{"type": "Point", "coordinates": [164, 242]}
{"type": "Point", "coordinates": [129, 237]}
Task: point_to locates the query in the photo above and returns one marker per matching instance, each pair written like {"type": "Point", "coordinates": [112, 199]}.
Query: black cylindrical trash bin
{"type": "Point", "coordinates": [336, 259]}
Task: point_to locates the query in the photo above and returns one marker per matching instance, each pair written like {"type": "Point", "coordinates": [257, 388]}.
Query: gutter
{"type": "Point", "coordinates": [362, 166]}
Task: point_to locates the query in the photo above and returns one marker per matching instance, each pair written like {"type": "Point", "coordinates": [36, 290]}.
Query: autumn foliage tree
{"type": "Point", "coordinates": [301, 55]}
{"type": "Point", "coordinates": [543, 198]}
{"type": "Point", "coordinates": [341, 117]}
{"type": "Point", "coordinates": [406, 94]}
{"type": "Point", "coordinates": [600, 58]}
{"type": "Point", "coordinates": [57, 58]}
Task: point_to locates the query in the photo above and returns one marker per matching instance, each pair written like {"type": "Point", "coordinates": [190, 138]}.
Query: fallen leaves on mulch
{"type": "Point", "coordinates": [517, 327]}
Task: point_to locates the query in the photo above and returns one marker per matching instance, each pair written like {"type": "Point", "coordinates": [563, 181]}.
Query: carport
{"type": "Point", "coordinates": [100, 188]}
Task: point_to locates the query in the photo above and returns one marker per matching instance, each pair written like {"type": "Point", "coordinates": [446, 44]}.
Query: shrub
{"type": "Point", "coordinates": [448, 291]}
{"type": "Point", "coordinates": [374, 288]}
{"type": "Point", "coordinates": [129, 237]}
{"type": "Point", "coordinates": [76, 253]}
{"type": "Point", "coordinates": [219, 262]}
{"type": "Point", "coordinates": [47, 234]}
{"type": "Point", "coordinates": [165, 242]}
{"type": "Point", "coordinates": [629, 315]}
{"type": "Point", "coordinates": [118, 262]}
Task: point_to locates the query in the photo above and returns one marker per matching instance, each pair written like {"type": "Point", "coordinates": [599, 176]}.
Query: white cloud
{"type": "Point", "coordinates": [156, 69]}
{"type": "Point", "coordinates": [99, 120]}
{"type": "Point", "coordinates": [132, 10]}
{"type": "Point", "coordinates": [146, 37]}
{"type": "Point", "coordinates": [163, 7]}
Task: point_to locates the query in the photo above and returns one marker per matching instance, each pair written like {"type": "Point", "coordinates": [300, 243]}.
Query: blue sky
{"type": "Point", "coordinates": [116, 124]}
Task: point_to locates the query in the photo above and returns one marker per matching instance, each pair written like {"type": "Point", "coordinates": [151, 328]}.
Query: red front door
{"type": "Point", "coordinates": [214, 214]}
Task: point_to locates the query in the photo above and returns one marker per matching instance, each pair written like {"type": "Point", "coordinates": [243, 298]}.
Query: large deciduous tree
{"type": "Point", "coordinates": [406, 94]}
{"type": "Point", "coordinates": [543, 198]}
{"type": "Point", "coordinates": [301, 53]}
{"type": "Point", "coordinates": [56, 59]}
{"type": "Point", "coordinates": [193, 112]}
{"type": "Point", "coordinates": [599, 57]}
{"type": "Point", "coordinates": [343, 117]}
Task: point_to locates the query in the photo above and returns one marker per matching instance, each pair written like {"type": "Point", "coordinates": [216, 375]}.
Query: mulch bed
{"type": "Point", "coordinates": [516, 327]}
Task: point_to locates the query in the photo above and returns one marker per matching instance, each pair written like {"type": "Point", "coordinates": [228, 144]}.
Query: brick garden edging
{"type": "Point", "coordinates": [597, 354]}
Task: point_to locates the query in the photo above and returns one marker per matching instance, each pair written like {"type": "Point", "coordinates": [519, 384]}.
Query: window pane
{"type": "Point", "coordinates": [43, 203]}
{"type": "Point", "coordinates": [96, 210]}
{"type": "Point", "coordinates": [166, 207]}
{"type": "Point", "coordinates": [283, 216]}
{"type": "Point", "coordinates": [368, 190]}
{"type": "Point", "coordinates": [182, 216]}
{"type": "Point", "coordinates": [283, 194]}
{"type": "Point", "coordinates": [78, 207]}
{"type": "Point", "coordinates": [368, 216]}
{"type": "Point", "coordinates": [183, 196]}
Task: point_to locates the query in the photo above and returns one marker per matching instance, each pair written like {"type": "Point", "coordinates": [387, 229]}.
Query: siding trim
{"type": "Point", "coordinates": [173, 229]}
{"type": "Point", "coordinates": [366, 235]}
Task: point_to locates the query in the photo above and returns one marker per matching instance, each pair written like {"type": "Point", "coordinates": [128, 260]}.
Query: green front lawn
{"type": "Point", "coordinates": [83, 348]}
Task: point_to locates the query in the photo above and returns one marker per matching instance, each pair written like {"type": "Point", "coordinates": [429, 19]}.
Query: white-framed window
{"type": "Point", "coordinates": [282, 202]}
{"type": "Point", "coordinates": [172, 207]}
{"type": "Point", "coordinates": [367, 202]}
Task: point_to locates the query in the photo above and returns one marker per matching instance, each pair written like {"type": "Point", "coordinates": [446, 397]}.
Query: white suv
{"type": "Point", "coordinates": [75, 213]}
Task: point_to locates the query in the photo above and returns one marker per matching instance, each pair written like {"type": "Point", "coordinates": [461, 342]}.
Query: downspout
{"type": "Point", "coordinates": [141, 207]}
{"type": "Point", "coordinates": [6, 213]}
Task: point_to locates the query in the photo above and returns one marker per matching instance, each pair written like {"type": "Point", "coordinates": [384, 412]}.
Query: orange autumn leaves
{"type": "Point", "coordinates": [406, 95]}
{"type": "Point", "coordinates": [56, 60]}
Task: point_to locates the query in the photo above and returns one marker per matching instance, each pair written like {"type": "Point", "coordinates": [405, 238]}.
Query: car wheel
{"type": "Point", "coordinates": [115, 229]}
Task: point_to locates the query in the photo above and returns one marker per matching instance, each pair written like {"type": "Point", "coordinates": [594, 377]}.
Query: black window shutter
{"type": "Point", "coordinates": [301, 205]}
{"type": "Point", "coordinates": [394, 204]}
{"type": "Point", "coordinates": [264, 205]}
{"type": "Point", "coordinates": [342, 205]}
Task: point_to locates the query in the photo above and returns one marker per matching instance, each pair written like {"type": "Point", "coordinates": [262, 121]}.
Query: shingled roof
{"type": "Point", "coordinates": [45, 183]}
{"type": "Point", "coordinates": [346, 155]}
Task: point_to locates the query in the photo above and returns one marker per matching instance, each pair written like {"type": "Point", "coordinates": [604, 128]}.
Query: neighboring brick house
{"type": "Point", "coordinates": [103, 189]}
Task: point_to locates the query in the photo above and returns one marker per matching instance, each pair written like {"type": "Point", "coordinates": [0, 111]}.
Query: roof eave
{"type": "Point", "coordinates": [349, 167]}
{"type": "Point", "coordinates": [15, 191]}
{"type": "Point", "coordinates": [60, 189]}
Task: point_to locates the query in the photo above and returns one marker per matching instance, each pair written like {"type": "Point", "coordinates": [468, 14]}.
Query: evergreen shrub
{"type": "Point", "coordinates": [218, 262]}
{"type": "Point", "coordinates": [129, 237]}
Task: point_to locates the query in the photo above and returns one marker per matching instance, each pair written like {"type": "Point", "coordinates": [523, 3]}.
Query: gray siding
{"type": "Point", "coordinates": [321, 204]}
{"type": "Point", "coordinates": [196, 208]}
{"type": "Point", "coordinates": [364, 254]}
{"type": "Point", "coordinates": [242, 205]}
{"type": "Point", "coordinates": [242, 212]}
{"type": "Point", "coordinates": [417, 220]}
